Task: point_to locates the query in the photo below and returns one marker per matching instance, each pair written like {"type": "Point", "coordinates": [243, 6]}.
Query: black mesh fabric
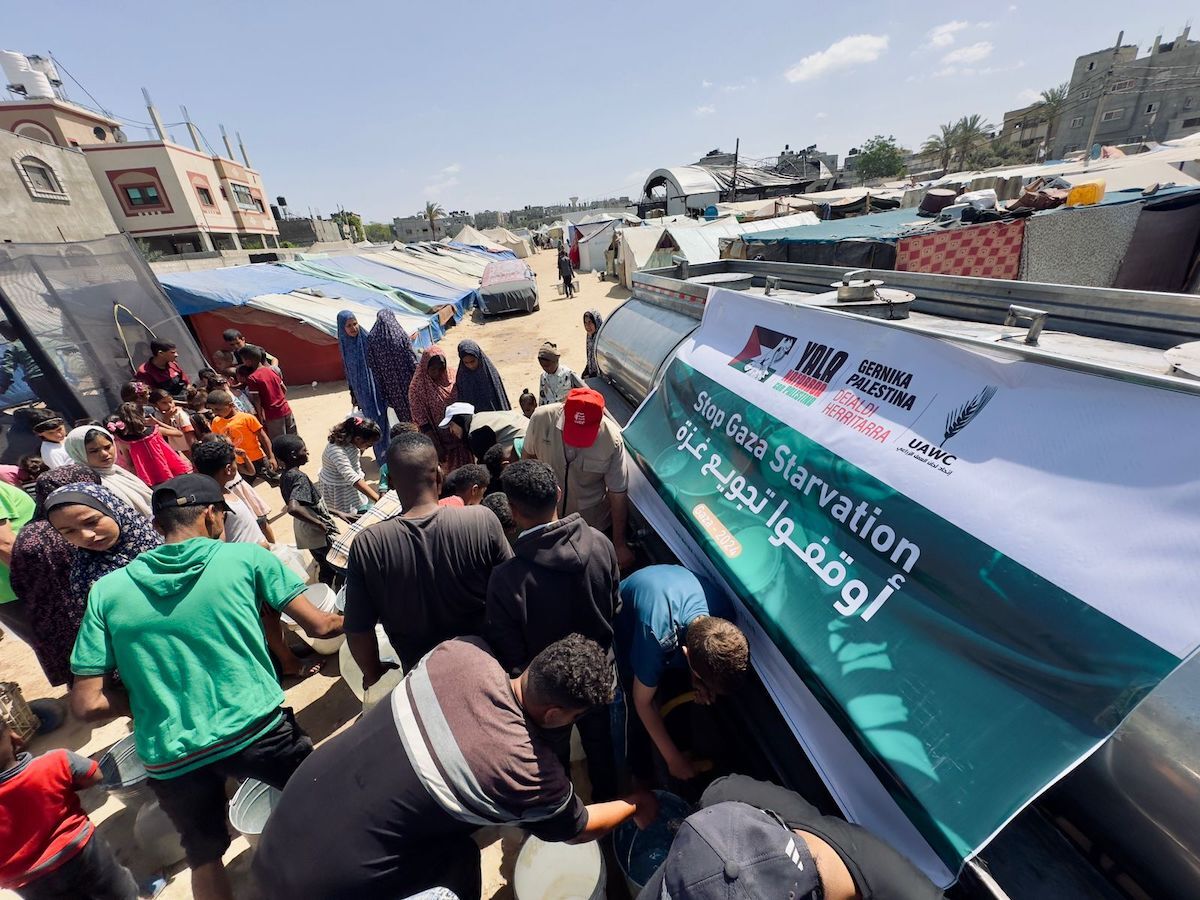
{"type": "Point", "coordinates": [86, 312]}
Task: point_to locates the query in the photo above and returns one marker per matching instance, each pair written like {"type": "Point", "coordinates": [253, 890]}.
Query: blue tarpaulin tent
{"type": "Point", "coordinates": [420, 286]}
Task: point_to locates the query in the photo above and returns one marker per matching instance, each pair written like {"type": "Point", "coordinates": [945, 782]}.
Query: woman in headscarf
{"type": "Point", "coordinates": [431, 391]}
{"type": "Point", "coordinates": [93, 446]}
{"type": "Point", "coordinates": [108, 532]}
{"type": "Point", "coordinates": [392, 362]}
{"type": "Point", "coordinates": [477, 380]}
{"type": "Point", "coordinates": [592, 320]}
{"type": "Point", "coordinates": [41, 578]}
{"type": "Point", "coordinates": [364, 393]}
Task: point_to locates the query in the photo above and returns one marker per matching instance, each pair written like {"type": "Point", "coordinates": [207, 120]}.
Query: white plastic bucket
{"type": "Point", "coordinates": [251, 807]}
{"type": "Point", "coordinates": [352, 674]}
{"type": "Point", "coordinates": [323, 598]}
{"type": "Point", "coordinates": [156, 836]}
{"type": "Point", "coordinates": [559, 871]}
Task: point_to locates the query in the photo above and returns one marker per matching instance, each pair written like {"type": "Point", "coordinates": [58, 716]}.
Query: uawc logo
{"type": "Point", "coordinates": [936, 456]}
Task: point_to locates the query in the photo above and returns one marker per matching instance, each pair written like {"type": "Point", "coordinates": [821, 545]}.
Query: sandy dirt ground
{"type": "Point", "coordinates": [324, 705]}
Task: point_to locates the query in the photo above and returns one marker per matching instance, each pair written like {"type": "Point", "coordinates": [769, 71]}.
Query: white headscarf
{"type": "Point", "coordinates": [125, 485]}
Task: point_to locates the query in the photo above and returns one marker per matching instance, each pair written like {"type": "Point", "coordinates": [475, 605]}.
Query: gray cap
{"type": "Point", "coordinates": [731, 851]}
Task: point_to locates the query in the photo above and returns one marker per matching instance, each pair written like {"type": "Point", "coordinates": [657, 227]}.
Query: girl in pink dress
{"type": "Point", "coordinates": [142, 449]}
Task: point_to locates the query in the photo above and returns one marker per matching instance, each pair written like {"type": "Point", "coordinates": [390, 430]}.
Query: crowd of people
{"type": "Point", "coordinates": [493, 553]}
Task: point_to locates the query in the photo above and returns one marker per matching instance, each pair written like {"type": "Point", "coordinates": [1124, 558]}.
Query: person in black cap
{"type": "Point", "coordinates": [184, 625]}
{"type": "Point", "coordinates": [759, 841]}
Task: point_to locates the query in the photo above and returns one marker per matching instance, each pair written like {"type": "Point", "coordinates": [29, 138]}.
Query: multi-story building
{"type": "Point", "coordinates": [173, 198]}
{"type": "Point", "coordinates": [490, 218]}
{"type": "Point", "coordinates": [47, 194]}
{"type": "Point", "coordinates": [1137, 98]}
{"type": "Point", "coordinates": [418, 228]}
{"type": "Point", "coordinates": [1025, 127]}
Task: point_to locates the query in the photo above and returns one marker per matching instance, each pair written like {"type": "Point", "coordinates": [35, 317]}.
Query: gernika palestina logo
{"type": "Point", "coordinates": [764, 353]}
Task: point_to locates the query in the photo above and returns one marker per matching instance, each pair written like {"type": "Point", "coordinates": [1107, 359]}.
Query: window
{"type": "Point", "coordinates": [1112, 115]}
{"type": "Point", "coordinates": [245, 200]}
{"type": "Point", "coordinates": [1191, 123]}
{"type": "Point", "coordinates": [1123, 85]}
{"type": "Point", "coordinates": [1091, 66]}
{"type": "Point", "coordinates": [1077, 122]}
{"type": "Point", "coordinates": [205, 196]}
{"type": "Point", "coordinates": [143, 195]}
{"type": "Point", "coordinates": [40, 178]}
{"type": "Point", "coordinates": [259, 205]}
{"type": "Point", "coordinates": [1151, 108]}
{"type": "Point", "coordinates": [1085, 95]}
{"type": "Point", "coordinates": [1187, 102]}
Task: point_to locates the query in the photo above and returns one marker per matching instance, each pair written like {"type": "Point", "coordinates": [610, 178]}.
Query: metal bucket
{"type": "Point", "coordinates": [124, 773]}
{"type": "Point", "coordinates": [156, 836]}
{"type": "Point", "coordinates": [640, 853]}
{"type": "Point", "coordinates": [559, 871]}
{"type": "Point", "coordinates": [251, 807]}
{"type": "Point", "coordinates": [352, 674]}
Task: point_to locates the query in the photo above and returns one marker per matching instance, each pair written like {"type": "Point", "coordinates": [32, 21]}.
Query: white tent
{"type": "Point", "coordinates": [473, 238]}
{"type": "Point", "coordinates": [509, 241]}
{"type": "Point", "coordinates": [593, 247]}
{"type": "Point", "coordinates": [639, 250]}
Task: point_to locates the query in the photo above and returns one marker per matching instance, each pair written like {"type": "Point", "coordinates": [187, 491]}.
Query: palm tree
{"type": "Point", "coordinates": [971, 132]}
{"type": "Point", "coordinates": [433, 212]}
{"type": "Point", "coordinates": [943, 144]}
{"type": "Point", "coordinates": [1050, 106]}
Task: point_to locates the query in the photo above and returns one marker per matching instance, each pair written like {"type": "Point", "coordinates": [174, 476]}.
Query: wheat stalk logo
{"type": "Point", "coordinates": [960, 418]}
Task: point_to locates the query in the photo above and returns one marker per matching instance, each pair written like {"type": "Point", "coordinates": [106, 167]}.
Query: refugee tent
{"type": "Point", "coordinates": [703, 244]}
{"type": "Point", "coordinates": [509, 241]}
{"type": "Point", "coordinates": [425, 292]}
{"type": "Point", "coordinates": [593, 246]}
{"type": "Point", "coordinates": [288, 309]}
{"type": "Point", "coordinates": [639, 248]}
{"type": "Point", "coordinates": [462, 267]}
{"type": "Point", "coordinates": [469, 237]}
{"type": "Point", "coordinates": [86, 312]}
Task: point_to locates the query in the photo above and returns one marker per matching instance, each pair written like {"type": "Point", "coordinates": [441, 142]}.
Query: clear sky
{"type": "Point", "coordinates": [378, 107]}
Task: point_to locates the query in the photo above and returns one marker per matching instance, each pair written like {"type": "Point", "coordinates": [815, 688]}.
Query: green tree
{"type": "Point", "coordinates": [379, 232]}
{"type": "Point", "coordinates": [351, 222]}
{"type": "Point", "coordinates": [880, 157]}
{"type": "Point", "coordinates": [942, 143]}
{"type": "Point", "coordinates": [972, 133]}
{"type": "Point", "coordinates": [433, 212]}
{"type": "Point", "coordinates": [1050, 106]}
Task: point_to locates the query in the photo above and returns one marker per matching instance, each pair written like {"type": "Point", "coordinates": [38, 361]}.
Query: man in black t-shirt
{"type": "Point", "coordinates": [423, 574]}
{"type": "Point", "coordinates": [458, 746]}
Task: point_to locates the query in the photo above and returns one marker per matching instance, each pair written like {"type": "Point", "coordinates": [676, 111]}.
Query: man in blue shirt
{"type": "Point", "coordinates": [672, 619]}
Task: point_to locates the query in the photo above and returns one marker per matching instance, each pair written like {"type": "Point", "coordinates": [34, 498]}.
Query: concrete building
{"type": "Point", "coordinates": [1025, 127]}
{"type": "Point", "coordinates": [47, 194]}
{"type": "Point", "coordinates": [302, 232]}
{"type": "Point", "coordinates": [490, 218]}
{"type": "Point", "coordinates": [1148, 98]}
{"type": "Point", "coordinates": [175, 199]}
{"type": "Point", "coordinates": [417, 228]}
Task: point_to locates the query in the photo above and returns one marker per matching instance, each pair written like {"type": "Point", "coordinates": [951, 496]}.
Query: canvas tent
{"type": "Point", "coordinates": [509, 241]}
{"type": "Point", "coordinates": [593, 246]}
{"type": "Point", "coordinates": [473, 238]}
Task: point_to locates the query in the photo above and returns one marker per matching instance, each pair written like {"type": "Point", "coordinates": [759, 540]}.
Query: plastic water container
{"type": "Point", "coordinates": [251, 807]}
{"type": "Point", "coordinates": [559, 871]}
{"type": "Point", "coordinates": [156, 836]}
{"type": "Point", "coordinates": [352, 674]}
{"type": "Point", "coordinates": [1085, 193]}
{"type": "Point", "coordinates": [640, 853]}
{"type": "Point", "coordinates": [323, 598]}
{"type": "Point", "coordinates": [124, 773]}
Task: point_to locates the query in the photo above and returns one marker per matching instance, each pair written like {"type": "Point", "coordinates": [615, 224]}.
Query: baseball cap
{"type": "Point", "coordinates": [582, 414]}
{"type": "Point", "coordinates": [188, 490]}
{"type": "Point", "coordinates": [732, 850]}
{"type": "Point", "coordinates": [456, 409]}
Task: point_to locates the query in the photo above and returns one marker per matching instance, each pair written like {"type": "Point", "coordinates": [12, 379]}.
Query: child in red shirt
{"type": "Point", "coordinates": [267, 387]}
{"type": "Point", "coordinates": [141, 444]}
{"type": "Point", "coordinates": [48, 845]}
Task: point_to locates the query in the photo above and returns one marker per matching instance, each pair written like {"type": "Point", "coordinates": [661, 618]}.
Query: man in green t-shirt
{"type": "Point", "coordinates": [16, 509]}
{"type": "Point", "coordinates": [183, 624]}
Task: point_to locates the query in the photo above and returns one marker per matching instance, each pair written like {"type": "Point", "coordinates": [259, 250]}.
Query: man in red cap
{"type": "Point", "coordinates": [585, 450]}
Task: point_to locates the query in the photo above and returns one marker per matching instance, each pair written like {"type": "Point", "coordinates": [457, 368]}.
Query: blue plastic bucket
{"type": "Point", "coordinates": [640, 853]}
